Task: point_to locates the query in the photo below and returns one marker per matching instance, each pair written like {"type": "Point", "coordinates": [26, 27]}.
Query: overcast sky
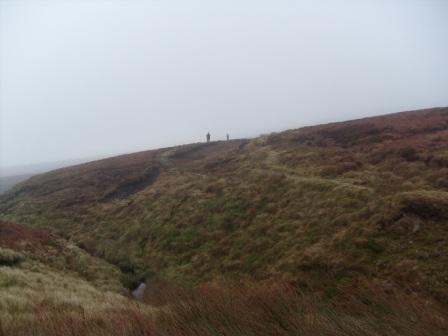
{"type": "Point", "coordinates": [87, 78]}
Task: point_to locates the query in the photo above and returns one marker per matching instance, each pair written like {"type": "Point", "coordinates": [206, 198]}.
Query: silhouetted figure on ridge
{"type": "Point", "coordinates": [228, 137]}
{"type": "Point", "coordinates": [208, 137]}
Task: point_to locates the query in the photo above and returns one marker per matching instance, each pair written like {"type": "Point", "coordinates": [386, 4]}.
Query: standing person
{"type": "Point", "coordinates": [228, 137]}
{"type": "Point", "coordinates": [208, 137]}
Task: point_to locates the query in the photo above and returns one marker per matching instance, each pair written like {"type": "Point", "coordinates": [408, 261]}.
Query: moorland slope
{"type": "Point", "coordinates": [320, 207]}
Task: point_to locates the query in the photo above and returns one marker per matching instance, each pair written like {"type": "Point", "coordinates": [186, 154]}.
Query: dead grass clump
{"type": "Point", "coordinates": [425, 204]}
{"type": "Point", "coordinates": [9, 257]}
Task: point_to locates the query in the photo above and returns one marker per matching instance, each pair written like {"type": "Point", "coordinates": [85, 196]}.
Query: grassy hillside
{"type": "Point", "coordinates": [7, 182]}
{"type": "Point", "coordinates": [320, 207]}
{"type": "Point", "coordinates": [49, 287]}
{"type": "Point", "coordinates": [44, 278]}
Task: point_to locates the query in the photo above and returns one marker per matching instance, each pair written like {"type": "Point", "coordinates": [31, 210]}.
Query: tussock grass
{"type": "Point", "coordinates": [240, 308]}
{"type": "Point", "coordinates": [22, 287]}
{"type": "Point", "coordinates": [9, 257]}
{"type": "Point", "coordinates": [39, 300]}
{"type": "Point", "coordinates": [275, 308]}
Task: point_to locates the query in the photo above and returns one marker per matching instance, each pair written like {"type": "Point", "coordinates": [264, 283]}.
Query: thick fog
{"type": "Point", "coordinates": [89, 78]}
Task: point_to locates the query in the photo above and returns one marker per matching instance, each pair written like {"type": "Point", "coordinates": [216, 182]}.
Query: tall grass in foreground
{"type": "Point", "coordinates": [244, 308]}
{"type": "Point", "coordinates": [60, 321]}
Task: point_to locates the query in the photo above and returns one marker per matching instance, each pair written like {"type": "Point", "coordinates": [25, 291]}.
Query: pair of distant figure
{"type": "Point", "coordinates": [208, 137]}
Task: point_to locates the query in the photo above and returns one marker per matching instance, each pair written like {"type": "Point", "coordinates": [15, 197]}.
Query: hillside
{"type": "Point", "coordinates": [320, 207]}
{"type": "Point", "coordinates": [7, 182]}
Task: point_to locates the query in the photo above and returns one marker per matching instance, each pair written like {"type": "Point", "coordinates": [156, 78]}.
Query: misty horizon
{"type": "Point", "coordinates": [41, 167]}
{"type": "Point", "coordinates": [90, 79]}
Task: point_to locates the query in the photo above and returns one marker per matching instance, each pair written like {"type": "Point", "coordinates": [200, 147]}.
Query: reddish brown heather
{"type": "Point", "coordinates": [21, 238]}
{"type": "Point", "coordinates": [403, 128]}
